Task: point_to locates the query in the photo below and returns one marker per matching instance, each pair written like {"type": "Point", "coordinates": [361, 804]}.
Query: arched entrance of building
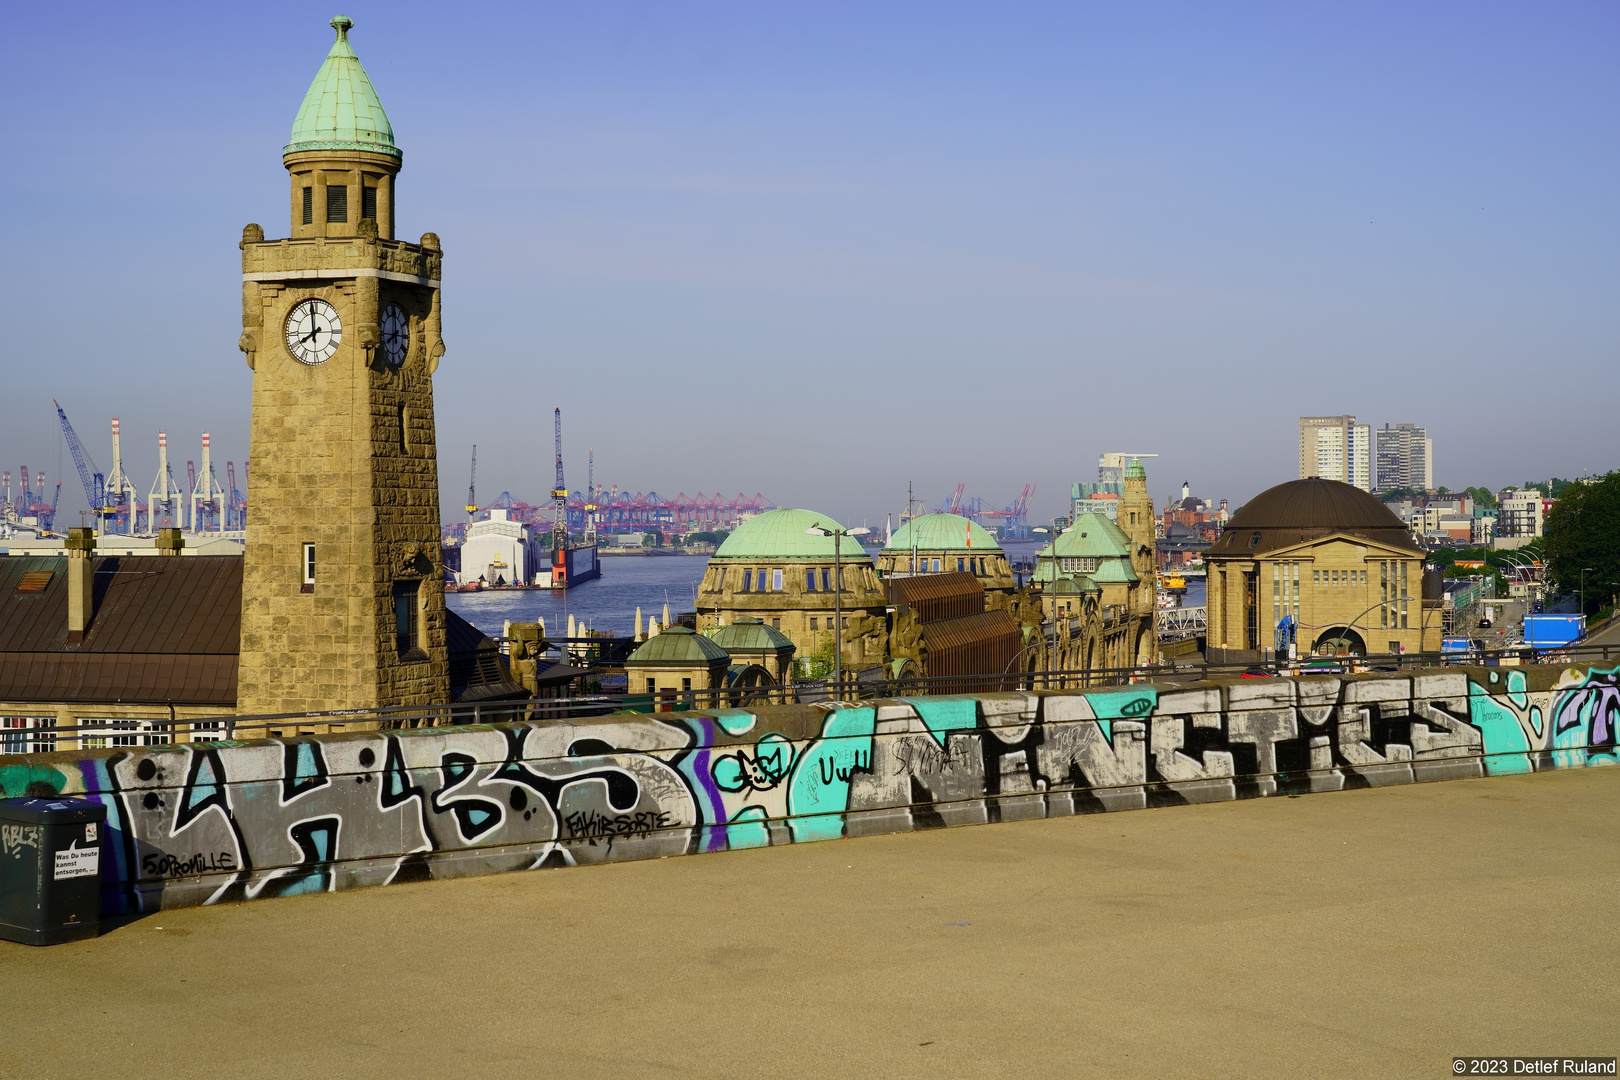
{"type": "Point", "coordinates": [1340, 641]}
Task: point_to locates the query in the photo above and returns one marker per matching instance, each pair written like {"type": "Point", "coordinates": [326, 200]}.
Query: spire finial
{"type": "Point", "coordinates": [341, 24]}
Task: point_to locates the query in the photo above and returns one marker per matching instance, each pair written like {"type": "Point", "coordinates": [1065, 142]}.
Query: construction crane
{"type": "Point", "coordinates": [590, 495]}
{"type": "Point", "coordinates": [559, 491]}
{"type": "Point", "coordinates": [95, 484]}
{"type": "Point", "coordinates": [472, 486]}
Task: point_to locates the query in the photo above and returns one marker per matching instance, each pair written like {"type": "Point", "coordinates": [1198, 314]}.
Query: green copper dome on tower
{"type": "Point", "coordinates": [341, 110]}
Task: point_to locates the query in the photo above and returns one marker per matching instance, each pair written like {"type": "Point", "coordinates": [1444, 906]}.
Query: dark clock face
{"type": "Point", "coordinates": [313, 331]}
{"type": "Point", "coordinates": [396, 334]}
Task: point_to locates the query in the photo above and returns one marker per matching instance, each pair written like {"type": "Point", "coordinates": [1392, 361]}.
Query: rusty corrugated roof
{"type": "Point", "coordinates": [967, 630]}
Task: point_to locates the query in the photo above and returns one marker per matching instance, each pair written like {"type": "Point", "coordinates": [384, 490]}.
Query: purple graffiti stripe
{"type": "Point", "coordinates": [702, 774]}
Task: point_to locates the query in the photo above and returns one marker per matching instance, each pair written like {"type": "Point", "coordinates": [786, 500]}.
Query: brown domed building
{"type": "Point", "coordinates": [1325, 560]}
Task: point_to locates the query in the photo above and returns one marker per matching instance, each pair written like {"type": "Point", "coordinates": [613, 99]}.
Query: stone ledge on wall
{"type": "Point", "coordinates": [209, 822]}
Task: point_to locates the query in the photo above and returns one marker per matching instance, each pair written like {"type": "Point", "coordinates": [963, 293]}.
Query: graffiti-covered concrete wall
{"type": "Point", "coordinates": [208, 822]}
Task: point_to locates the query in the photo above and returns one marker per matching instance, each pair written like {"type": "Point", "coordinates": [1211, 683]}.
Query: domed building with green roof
{"type": "Point", "coordinates": [943, 544]}
{"type": "Point", "coordinates": [1098, 584]}
{"type": "Point", "coordinates": [773, 569]}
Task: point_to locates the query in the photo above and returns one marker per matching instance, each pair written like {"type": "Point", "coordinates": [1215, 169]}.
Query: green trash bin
{"type": "Point", "coordinates": [50, 869]}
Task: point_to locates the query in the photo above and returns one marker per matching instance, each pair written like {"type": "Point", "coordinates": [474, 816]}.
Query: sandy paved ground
{"type": "Point", "coordinates": [1363, 934]}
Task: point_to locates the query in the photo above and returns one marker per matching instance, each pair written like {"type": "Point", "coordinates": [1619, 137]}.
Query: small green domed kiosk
{"type": "Point", "coordinates": [673, 661]}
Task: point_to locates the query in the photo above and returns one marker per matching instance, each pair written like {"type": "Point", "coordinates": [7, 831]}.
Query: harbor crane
{"type": "Point", "coordinates": [164, 491]}
{"type": "Point", "coordinates": [559, 491]}
{"type": "Point", "coordinates": [472, 486]}
{"type": "Point", "coordinates": [95, 484]}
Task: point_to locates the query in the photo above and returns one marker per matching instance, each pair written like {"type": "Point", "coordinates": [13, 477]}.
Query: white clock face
{"type": "Point", "coordinates": [313, 331]}
{"type": "Point", "coordinates": [396, 334]}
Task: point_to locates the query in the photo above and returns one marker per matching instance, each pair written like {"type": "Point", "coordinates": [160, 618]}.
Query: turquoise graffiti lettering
{"type": "Point", "coordinates": [943, 715]}
{"type": "Point", "coordinates": [1122, 705]}
{"type": "Point", "coordinates": [818, 793]}
{"type": "Point", "coordinates": [1506, 746]}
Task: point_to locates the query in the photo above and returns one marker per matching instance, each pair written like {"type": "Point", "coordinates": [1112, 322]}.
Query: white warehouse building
{"type": "Point", "coordinates": [503, 552]}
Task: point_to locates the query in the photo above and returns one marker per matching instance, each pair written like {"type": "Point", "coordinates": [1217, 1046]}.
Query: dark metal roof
{"type": "Point", "coordinates": [165, 630]}
{"type": "Point", "coordinates": [1309, 509]}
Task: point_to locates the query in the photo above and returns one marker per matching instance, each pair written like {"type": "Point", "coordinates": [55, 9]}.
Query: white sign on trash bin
{"type": "Point", "coordinates": [76, 862]}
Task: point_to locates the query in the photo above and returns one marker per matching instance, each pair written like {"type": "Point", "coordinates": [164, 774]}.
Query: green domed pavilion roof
{"type": "Point", "coordinates": [780, 535]}
{"type": "Point", "coordinates": [341, 110]}
{"type": "Point", "coordinates": [1092, 536]}
{"type": "Point", "coordinates": [942, 532]}
{"type": "Point", "coordinates": [677, 646]}
{"type": "Point", "coordinates": [750, 635]}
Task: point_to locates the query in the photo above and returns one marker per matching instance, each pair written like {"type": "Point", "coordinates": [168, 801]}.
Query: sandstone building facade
{"type": "Point", "coordinates": [1328, 563]}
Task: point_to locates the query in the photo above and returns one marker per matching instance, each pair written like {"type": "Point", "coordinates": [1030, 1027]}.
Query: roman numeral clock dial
{"type": "Point", "coordinates": [396, 334]}
{"type": "Point", "coordinates": [313, 331]}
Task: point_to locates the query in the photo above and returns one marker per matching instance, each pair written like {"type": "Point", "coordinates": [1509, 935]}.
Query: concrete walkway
{"type": "Point", "coordinates": [1362, 934]}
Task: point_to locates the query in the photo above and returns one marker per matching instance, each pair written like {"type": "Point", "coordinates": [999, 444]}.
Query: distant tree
{"type": "Point", "coordinates": [1484, 497]}
{"type": "Point", "coordinates": [1552, 489]}
{"type": "Point", "coordinates": [715, 537]}
{"type": "Point", "coordinates": [1398, 494]}
{"type": "Point", "coordinates": [1583, 530]}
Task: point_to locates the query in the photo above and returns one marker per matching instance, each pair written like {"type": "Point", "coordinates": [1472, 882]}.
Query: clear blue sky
{"type": "Point", "coordinates": [819, 250]}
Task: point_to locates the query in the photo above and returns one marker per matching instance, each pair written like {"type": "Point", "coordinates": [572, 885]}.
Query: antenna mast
{"type": "Point", "coordinates": [472, 486]}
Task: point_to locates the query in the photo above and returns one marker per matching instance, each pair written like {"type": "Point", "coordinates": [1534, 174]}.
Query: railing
{"type": "Point", "coordinates": [1182, 621]}
{"type": "Point", "coordinates": [107, 734]}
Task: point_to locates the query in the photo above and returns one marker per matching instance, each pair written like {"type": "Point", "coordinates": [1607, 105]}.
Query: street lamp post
{"type": "Point", "coordinates": [838, 597]}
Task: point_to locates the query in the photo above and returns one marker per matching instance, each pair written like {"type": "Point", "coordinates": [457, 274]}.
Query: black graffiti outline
{"type": "Point", "coordinates": [294, 787]}
{"type": "Point", "coordinates": [457, 769]}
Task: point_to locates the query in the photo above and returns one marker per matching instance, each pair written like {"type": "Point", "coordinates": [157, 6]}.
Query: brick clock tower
{"type": "Point", "coordinates": [342, 590]}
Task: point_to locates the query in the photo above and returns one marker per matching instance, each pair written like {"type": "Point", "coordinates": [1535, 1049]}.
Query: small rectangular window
{"type": "Point", "coordinates": [309, 206]}
{"type": "Point", "coordinates": [748, 581]}
{"type": "Point", "coordinates": [405, 597]}
{"type": "Point", "coordinates": [826, 580]}
{"type": "Point", "coordinates": [309, 564]}
{"type": "Point", "coordinates": [776, 624]}
{"type": "Point", "coordinates": [368, 203]}
{"type": "Point", "coordinates": [813, 624]}
{"type": "Point", "coordinates": [961, 565]}
{"type": "Point", "coordinates": [686, 684]}
{"type": "Point", "coordinates": [776, 581]}
{"type": "Point", "coordinates": [809, 581]}
{"type": "Point", "coordinates": [1316, 577]}
{"type": "Point", "coordinates": [652, 686]}
{"type": "Point", "coordinates": [337, 205]}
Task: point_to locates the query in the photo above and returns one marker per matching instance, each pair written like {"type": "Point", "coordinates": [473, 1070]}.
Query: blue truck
{"type": "Point", "coordinates": [1552, 631]}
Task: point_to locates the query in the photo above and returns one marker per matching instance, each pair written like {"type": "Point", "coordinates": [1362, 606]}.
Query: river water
{"type": "Point", "coordinates": [607, 605]}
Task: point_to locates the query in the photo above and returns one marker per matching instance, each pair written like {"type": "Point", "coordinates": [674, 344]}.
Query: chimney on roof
{"type": "Point", "coordinates": [169, 542]}
{"type": "Point", "coordinates": [81, 570]}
